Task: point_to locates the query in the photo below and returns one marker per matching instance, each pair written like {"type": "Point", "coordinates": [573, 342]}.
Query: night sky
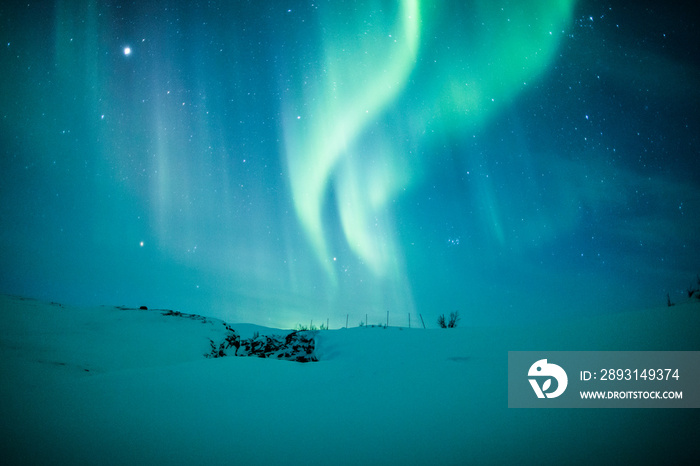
{"type": "Point", "coordinates": [276, 162]}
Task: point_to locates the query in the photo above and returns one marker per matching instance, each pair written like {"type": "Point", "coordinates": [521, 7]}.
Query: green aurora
{"type": "Point", "coordinates": [284, 162]}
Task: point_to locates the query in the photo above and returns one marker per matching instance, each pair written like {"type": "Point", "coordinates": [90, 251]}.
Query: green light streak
{"type": "Point", "coordinates": [362, 72]}
{"type": "Point", "coordinates": [466, 62]}
{"type": "Point", "coordinates": [510, 46]}
{"type": "Point", "coordinates": [501, 51]}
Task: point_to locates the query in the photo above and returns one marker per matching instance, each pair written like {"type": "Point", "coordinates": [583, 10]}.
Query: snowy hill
{"type": "Point", "coordinates": [126, 386]}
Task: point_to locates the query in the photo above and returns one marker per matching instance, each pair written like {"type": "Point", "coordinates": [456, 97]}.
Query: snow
{"type": "Point", "coordinates": [124, 386]}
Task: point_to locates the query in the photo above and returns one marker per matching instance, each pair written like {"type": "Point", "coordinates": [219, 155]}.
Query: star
{"type": "Point", "coordinates": [127, 51]}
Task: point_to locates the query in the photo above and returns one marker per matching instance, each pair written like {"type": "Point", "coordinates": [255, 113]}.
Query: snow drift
{"type": "Point", "coordinates": [127, 386]}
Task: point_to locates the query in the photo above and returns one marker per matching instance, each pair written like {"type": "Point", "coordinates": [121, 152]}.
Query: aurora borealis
{"type": "Point", "coordinates": [277, 162]}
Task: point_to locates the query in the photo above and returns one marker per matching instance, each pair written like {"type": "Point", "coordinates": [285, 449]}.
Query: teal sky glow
{"type": "Point", "coordinates": [281, 162]}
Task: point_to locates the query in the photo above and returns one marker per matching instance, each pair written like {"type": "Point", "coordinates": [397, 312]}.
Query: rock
{"type": "Point", "coordinates": [296, 346]}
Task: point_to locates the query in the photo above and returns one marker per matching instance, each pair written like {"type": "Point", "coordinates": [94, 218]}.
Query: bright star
{"type": "Point", "coordinates": [127, 51]}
